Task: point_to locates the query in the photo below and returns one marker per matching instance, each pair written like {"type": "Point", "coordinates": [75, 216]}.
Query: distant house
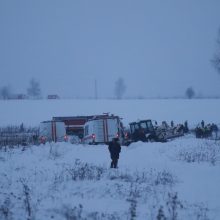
{"type": "Point", "coordinates": [53, 97]}
{"type": "Point", "coordinates": [22, 96]}
{"type": "Point", "coordinates": [18, 96]}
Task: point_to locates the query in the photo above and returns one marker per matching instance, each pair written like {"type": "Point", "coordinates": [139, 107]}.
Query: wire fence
{"type": "Point", "coordinates": [15, 136]}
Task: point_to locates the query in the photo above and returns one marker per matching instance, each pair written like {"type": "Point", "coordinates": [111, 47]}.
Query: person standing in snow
{"type": "Point", "coordinates": [203, 124]}
{"type": "Point", "coordinates": [215, 130]}
{"type": "Point", "coordinates": [172, 124]}
{"type": "Point", "coordinates": [186, 129]}
{"type": "Point", "coordinates": [114, 149]}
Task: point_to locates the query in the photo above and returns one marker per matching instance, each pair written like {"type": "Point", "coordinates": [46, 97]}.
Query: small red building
{"type": "Point", "coordinates": [53, 97]}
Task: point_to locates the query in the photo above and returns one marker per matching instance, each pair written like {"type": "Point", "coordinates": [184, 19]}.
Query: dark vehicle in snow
{"type": "Point", "coordinates": [143, 131]}
{"type": "Point", "coordinates": [170, 132]}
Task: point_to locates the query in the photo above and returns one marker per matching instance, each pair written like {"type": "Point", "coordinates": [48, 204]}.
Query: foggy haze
{"type": "Point", "coordinates": [159, 48]}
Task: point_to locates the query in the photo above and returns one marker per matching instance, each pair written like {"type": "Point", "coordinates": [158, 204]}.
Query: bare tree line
{"type": "Point", "coordinates": [216, 58]}
{"type": "Point", "coordinates": [33, 91]}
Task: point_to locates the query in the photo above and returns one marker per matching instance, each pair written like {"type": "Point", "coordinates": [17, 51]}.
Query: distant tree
{"type": "Point", "coordinates": [190, 93]}
{"type": "Point", "coordinates": [34, 89]}
{"type": "Point", "coordinates": [5, 92]}
{"type": "Point", "coordinates": [21, 129]}
{"type": "Point", "coordinates": [216, 58]}
{"type": "Point", "coordinates": [120, 88]}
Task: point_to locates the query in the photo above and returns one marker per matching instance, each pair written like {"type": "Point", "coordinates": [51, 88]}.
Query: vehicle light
{"type": "Point", "coordinates": [66, 138]}
{"type": "Point", "coordinates": [43, 139]}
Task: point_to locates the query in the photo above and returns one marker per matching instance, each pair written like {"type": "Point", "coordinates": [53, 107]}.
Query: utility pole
{"type": "Point", "coordinates": [96, 92]}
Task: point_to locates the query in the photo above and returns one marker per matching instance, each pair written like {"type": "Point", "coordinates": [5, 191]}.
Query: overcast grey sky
{"type": "Point", "coordinates": [158, 47]}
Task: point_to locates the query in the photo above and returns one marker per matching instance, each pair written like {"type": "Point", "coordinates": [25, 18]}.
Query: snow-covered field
{"type": "Point", "coordinates": [178, 179]}
{"type": "Point", "coordinates": [64, 181]}
{"type": "Point", "coordinates": [32, 112]}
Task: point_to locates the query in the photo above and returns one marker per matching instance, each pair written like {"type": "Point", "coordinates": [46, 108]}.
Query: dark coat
{"type": "Point", "coordinates": [114, 149]}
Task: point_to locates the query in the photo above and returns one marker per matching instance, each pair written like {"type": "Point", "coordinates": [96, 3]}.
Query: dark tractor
{"type": "Point", "coordinates": [143, 131]}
